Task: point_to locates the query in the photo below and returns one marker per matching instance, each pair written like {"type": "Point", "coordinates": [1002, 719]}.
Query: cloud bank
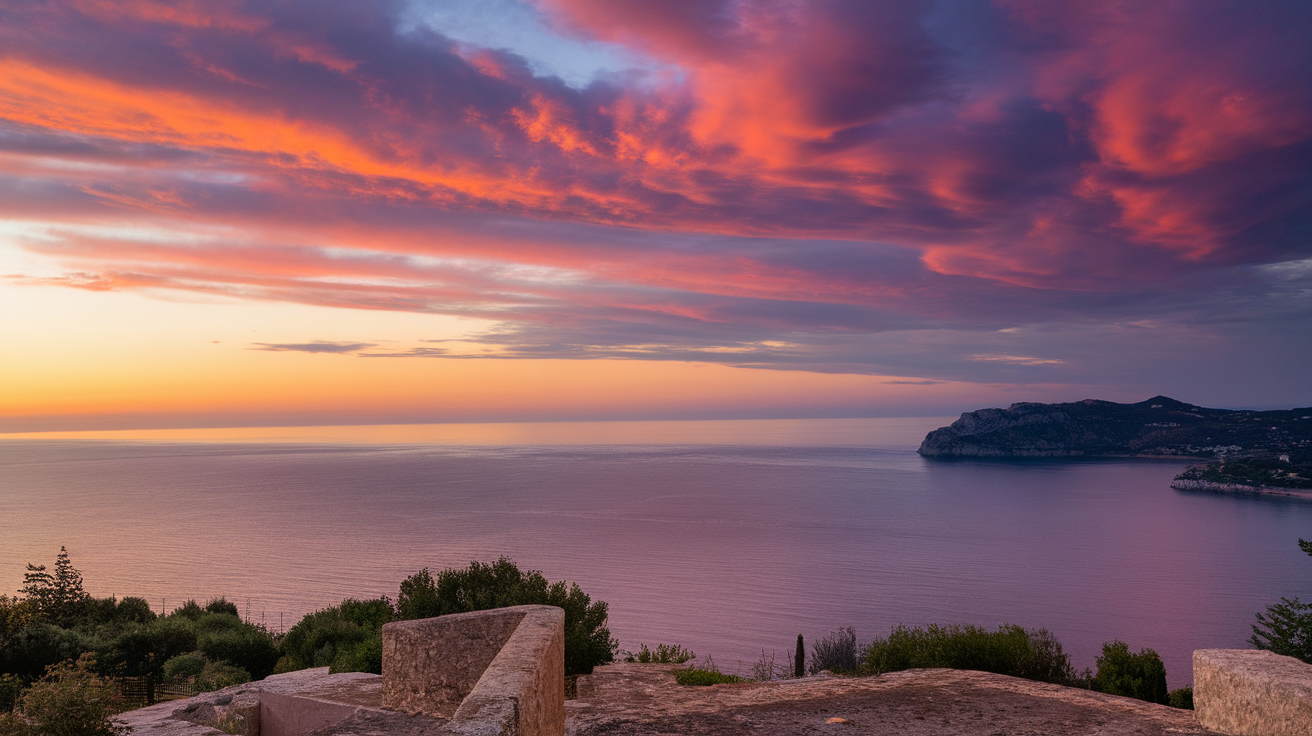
{"type": "Point", "coordinates": [1012, 191]}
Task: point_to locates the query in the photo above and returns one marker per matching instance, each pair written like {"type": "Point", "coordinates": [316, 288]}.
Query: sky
{"type": "Point", "coordinates": [289, 213]}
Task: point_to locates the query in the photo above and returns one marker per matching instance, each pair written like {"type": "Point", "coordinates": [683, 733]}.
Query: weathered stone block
{"type": "Point", "coordinates": [522, 693]}
{"type": "Point", "coordinates": [431, 664]}
{"type": "Point", "coordinates": [291, 715]}
{"type": "Point", "coordinates": [1250, 692]}
{"type": "Point", "coordinates": [493, 673]}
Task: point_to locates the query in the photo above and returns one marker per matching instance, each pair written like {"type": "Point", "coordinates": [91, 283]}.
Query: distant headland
{"type": "Point", "coordinates": [1252, 451]}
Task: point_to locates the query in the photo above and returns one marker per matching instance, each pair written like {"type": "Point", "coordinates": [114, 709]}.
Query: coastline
{"type": "Point", "coordinates": [1206, 486]}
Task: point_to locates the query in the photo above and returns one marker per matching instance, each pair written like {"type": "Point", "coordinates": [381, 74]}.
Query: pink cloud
{"type": "Point", "coordinates": [826, 168]}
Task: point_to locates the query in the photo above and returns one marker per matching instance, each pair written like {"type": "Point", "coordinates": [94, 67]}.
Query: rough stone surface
{"type": "Point", "coordinates": [296, 715]}
{"type": "Point", "coordinates": [642, 700]}
{"type": "Point", "coordinates": [431, 664]}
{"type": "Point", "coordinates": [1250, 692]}
{"type": "Point", "coordinates": [198, 715]}
{"type": "Point", "coordinates": [522, 692]}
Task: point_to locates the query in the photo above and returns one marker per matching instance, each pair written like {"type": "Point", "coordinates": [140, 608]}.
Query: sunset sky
{"type": "Point", "coordinates": [254, 213]}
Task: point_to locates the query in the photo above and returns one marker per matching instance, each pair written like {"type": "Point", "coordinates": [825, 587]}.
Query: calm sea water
{"type": "Point", "coordinates": [730, 537]}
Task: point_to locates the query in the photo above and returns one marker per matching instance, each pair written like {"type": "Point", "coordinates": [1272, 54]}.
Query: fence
{"type": "Point", "coordinates": [132, 691]}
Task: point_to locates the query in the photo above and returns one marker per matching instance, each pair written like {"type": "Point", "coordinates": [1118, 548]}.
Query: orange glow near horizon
{"type": "Point", "coordinates": [307, 212]}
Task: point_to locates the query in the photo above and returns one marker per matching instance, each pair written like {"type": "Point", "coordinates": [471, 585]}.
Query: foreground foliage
{"type": "Point", "coordinates": [1034, 654]}
{"type": "Point", "coordinates": [57, 621]}
{"type": "Point", "coordinates": [482, 586]}
{"type": "Point", "coordinates": [662, 654]}
{"type": "Point", "coordinates": [836, 652]}
{"type": "Point", "coordinates": [1135, 675]}
{"type": "Point", "coordinates": [707, 674]}
{"type": "Point", "coordinates": [345, 638]}
{"type": "Point", "coordinates": [70, 700]}
{"type": "Point", "coordinates": [1286, 627]}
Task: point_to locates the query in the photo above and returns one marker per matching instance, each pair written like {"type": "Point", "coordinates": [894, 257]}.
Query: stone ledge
{"type": "Point", "coordinates": [493, 673]}
{"type": "Point", "coordinates": [1251, 692]}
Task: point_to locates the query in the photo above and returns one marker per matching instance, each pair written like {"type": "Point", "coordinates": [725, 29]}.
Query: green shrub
{"type": "Point", "coordinates": [134, 610]}
{"type": "Point", "coordinates": [364, 656]}
{"type": "Point", "coordinates": [185, 665]}
{"type": "Point", "coordinates": [1140, 675]}
{"type": "Point", "coordinates": [222, 605]}
{"type": "Point", "coordinates": [1286, 629]}
{"type": "Point", "coordinates": [218, 675]}
{"type": "Point", "coordinates": [31, 650]}
{"type": "Point", "coordinates": [189, 610]}
{"type": "Point", "coordinates": [70, 700]}
{"type": "Point", "coordinates": [11, 686]}
{"type": "Point", "coordinates": [663, 654]}
{"type": "Point", "coordinates": [836, 652]}
{"type": "Point", "coordinates": [1034, 654]}
{"type": "Point", "coordinates": [707, 674]}
{"type": "Point", "coordinates": [247, 647]}
{"type": "Point", "coordinates": [346, 638]}
{"type": "Point", "coordinates": [142, 650]}
{"type": "Point", "coordinates": [484, 586]}
{"type": "Point", "coordinates": [1182, 698]}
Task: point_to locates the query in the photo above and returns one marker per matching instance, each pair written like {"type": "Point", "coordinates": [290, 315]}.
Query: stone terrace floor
{"type": "Point", "coordinates": [644, 700]}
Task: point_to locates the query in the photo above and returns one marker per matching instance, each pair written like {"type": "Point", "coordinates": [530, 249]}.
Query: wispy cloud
{"type": "Point", "coordinates": [1016, 359]}
{"type": "Point", "coordinates": [315, 346]}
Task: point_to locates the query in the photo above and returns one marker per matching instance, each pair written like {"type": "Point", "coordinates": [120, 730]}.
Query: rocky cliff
{"type": "Point", "coordinates": [1160, 426]}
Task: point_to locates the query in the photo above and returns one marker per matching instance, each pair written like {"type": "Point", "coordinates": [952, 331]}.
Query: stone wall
{"type": "Point", "coordinates": [493, 673]}
{"type": "Point", "coordinates": [1250, 692]}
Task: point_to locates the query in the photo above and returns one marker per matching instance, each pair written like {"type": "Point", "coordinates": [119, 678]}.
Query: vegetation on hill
{"type": "Point", "coordinates": [1287, 470]}
{"type": "Point", "coordinates": [1160, 426]}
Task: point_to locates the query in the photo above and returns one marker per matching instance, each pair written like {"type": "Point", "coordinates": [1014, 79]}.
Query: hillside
{"type": "Point", "coordinates": [1158, 427]}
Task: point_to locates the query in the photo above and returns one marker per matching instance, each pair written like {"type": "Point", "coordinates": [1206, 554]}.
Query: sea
{"type": "Point", "coordinates": [729, 538]}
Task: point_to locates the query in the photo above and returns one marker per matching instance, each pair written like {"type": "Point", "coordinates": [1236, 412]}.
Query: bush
{"type": "Point", "coordinates": [141, 651]}
{"type": "Point", "coordinates": [218, 675]}
{"type": "Point", "coordinates": [31, 650]}
{"type": "Point", "coordinates": [185, 665]}
{"type": "Point", "coordinates": [663, 654]}
{"type": "Point", "coordinates": [836, 652]}
{"type": "Point", "coordinates": [223, 605]}
{"type": "Point", "coordinates": [1182, 698]}
{"type": "Point", "coordinates": [189, 610]}
{"type": "Point", "coordinates": [134, 610]}
{"type": "Point", "coordinates": [708, 674]}
{"type": "Point", "coordinates": [70, 700]}
{"type": "Point", "coordinates": [346, 638]}
{"type": "Point", "coordinates": [11, 686]}
{"type": "Point", "coordinates": [1285, 629]}
{"type": "Point", "coordinates": [246, 647]}
{"type": "Point", "coordinates": [1140, 675]}
{"type": "Point", "coordinates": [1034, 654]}
{"type": "Point", "coordinates": [485, 586]}
{"type": "Point", "coordinates": [365, 656]}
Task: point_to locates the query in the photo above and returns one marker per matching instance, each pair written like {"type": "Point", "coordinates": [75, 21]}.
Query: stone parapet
{"type": "Point", "coordinates": [492, 673]}
{"type": "Point", "coordinates": [1251, 692]}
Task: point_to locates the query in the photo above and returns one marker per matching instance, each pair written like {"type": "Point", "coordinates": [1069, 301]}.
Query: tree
{"type": "Point", "coordinates": [1286, 627]}
{"type": "Point", "coordinates": [59, 597]}
{"type": "Point", "coordinates": [71, 700]}
{"type": "Point", "coordinates": [1121, 672]}
{"type": "Point", "coordinates": [483, 586]}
